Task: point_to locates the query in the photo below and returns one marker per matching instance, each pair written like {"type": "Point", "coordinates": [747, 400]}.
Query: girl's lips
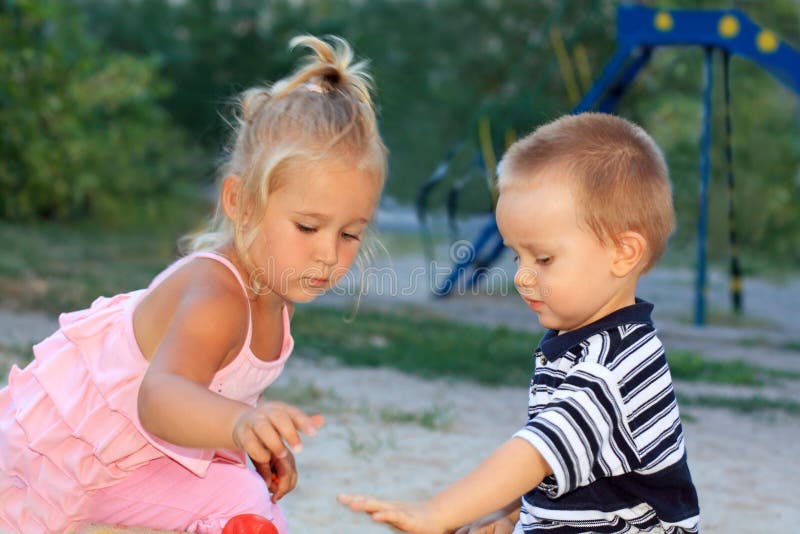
{"type": "Point", "coordinates": [317, 282]}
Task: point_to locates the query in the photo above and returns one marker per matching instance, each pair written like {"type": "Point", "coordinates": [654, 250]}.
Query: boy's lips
{"type": "Point", "coordinates": [317, 282]}
{"type": "Point", "coordinates": [535, 305]}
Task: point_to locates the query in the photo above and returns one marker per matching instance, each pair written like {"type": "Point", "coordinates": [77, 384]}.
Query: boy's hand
{"type": "Point", "coordinates": [416, 518]}
{"type": "Point", "coordinates": [280, 474]}
{"type": "Point", "coordinates": [500, 522]}
{"type": "Point", "coordinates": [265, 432]}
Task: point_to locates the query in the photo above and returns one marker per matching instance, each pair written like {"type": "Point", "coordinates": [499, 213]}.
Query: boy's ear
{"type": "Point", "coordinates": [230, 196]}
{"type": "Point", "coordinates": [630, 248]}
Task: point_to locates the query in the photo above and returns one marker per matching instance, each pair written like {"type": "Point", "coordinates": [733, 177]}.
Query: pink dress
{"type": "Point", "coordinates": [71, 440]}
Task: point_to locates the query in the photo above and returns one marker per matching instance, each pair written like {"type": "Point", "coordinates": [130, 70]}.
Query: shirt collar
{"type": "Point", "coordinates": [554, 346]}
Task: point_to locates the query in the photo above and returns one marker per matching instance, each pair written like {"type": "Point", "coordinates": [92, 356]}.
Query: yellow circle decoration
{"type": "Point", "coordinates": [728, 26]}
{"type": "Point", "coordinates": [663, 21]}
{"type": "Point", "coordinates": [766, 41]}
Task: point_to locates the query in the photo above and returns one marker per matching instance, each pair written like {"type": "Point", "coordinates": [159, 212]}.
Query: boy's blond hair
{"type": "Point", "coordinates": [616, 170]}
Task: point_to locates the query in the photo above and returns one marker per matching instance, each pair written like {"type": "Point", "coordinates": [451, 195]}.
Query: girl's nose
{"type": "Point", "coordinates": [326, 252]}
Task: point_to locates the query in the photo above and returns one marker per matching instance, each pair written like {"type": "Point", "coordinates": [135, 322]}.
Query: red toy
{"type": "Point", "coordinates": [249, 524]}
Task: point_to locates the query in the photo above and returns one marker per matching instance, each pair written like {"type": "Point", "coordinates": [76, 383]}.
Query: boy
{"type": "Point", "coordinates": [586, 205]}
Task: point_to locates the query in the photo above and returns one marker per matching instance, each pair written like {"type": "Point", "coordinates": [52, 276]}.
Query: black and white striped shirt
{"type": "Point", "coordinates": [603, 415]}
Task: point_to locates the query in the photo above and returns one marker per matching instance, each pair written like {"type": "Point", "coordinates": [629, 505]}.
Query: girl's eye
{"type": "Point", "coordinates": [516, 259]}
{"type": "Point", "coordinates": [351, 237]}
{"type": "Point", "coordinates": [544, 260]}
{"type": "Point", "coordinates": [305, 229]}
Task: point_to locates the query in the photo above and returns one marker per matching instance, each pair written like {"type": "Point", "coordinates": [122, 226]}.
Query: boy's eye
{"type": "Point", "coordinates": [305, 229]}
{"type": "Point", "coordinates": [544, 260]}
{"type": "Point", "coordinates": [351, 237]}
{"type": "Point", "coordinates": [516, 259]}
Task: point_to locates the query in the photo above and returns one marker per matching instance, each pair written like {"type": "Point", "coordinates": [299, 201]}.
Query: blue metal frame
{"type": "Point", "coordinates": [728, 29]}
{"type": "Point", "coordinates": [705, 174]}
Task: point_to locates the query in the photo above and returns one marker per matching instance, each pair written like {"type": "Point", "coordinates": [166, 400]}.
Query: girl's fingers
{"type": "Point", "coordinates": [284, 425]}
{"type": "Point", "coordinates": [308, 424]}
{"type": "Point", "coordinates": [317, 420]}
{"type": "Point", "coordinates": [284, 485]}
{"type": "Point", "coordinates": [299, 420]}
{"type": "Point", "coordinates": [270, 438]}
{"type": "Point", "coordinates": [283, 478]}
{"type": "Point", "coordinates": [255, 448]}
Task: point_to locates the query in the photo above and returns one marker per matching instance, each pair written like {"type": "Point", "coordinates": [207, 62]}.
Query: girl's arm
{"type": "Point", "coordinates": [175, 403]}
{"type": "Point", "coordinates": [511, 471]}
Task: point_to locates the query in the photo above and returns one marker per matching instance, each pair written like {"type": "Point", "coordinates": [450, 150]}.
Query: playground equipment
{"type": "Point", "coordinates": [640, 30]}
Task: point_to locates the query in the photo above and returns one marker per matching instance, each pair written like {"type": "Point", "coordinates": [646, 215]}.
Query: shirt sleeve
{"type": "Point", "coordinates": [583, 432]}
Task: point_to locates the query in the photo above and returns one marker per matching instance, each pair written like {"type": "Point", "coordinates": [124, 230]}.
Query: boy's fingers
{"type": "Point", "coordinates": [362, 503]}
{"type": "Point", "coordinates": [396, 518]}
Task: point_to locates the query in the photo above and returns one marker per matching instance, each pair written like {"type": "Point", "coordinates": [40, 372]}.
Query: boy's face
{"type": "Point", "coordinates": [563, 269]}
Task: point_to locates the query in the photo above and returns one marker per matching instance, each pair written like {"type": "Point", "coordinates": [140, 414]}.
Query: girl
{"type": "Point", "coordinates": [141, 410]}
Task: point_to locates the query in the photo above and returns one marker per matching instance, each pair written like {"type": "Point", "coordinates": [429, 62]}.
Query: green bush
{"type": "Point", "coordinates": [82, 132]}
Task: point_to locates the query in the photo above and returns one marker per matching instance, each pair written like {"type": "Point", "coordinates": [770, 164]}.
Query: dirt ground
{"type": "Point", "coordinates": [403, 437]}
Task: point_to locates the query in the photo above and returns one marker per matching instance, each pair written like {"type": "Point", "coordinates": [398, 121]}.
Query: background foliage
{"type": "Point", "coordinates": [114, 108]}
{"type": "Point", "coordinates": [83, 129]}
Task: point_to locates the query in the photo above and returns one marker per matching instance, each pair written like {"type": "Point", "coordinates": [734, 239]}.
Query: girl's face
{"type": "Point", "coordinates": [312, 227]}
{"type": "Point", "coordinates": [564, 271]}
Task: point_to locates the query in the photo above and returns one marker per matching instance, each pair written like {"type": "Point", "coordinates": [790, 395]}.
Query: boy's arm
{"type": "Point", "coordinates": [502, 521]}
{"type": "Point", "coordinates": [511, 471]}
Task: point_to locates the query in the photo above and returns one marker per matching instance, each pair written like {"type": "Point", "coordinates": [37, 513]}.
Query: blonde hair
{"type": "Point", "coordinates": [323, 109]}
{"type": "Point", "coordinates": [617, 173]}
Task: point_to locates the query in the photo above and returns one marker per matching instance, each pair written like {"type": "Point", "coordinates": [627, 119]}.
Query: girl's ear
{"type": "Point", "coordinates": [630, 248]}
{"type": "Point", "coordinates": [231, 197]}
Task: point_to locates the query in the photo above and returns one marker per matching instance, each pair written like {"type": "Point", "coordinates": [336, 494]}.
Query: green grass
{"type": "Point", "coordinates": [434, 418]}
{"type": "Point", "coordinates": [720, 317]}
{"type": "Point", "coordinates": [55, 268]}
{"type": "Point", "coordinates": [400, 244]}
{"type": "Point", "coordinates": [750, 404]}
{"type": "Point", "coordinates": [13, 355]}
{"type": "Point", "coordinates": [793, 346]}
{"type": "Point", "coordinates": [416, 342]}
{"type": "Point", "coordinates": [692, 367]}
{"type": "Point", "coordinates": [306, 395]}
{"type": "Point", "coordinates": [790, 346]}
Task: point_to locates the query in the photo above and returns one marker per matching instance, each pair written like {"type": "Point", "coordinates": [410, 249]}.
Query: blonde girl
{"type": "Point", "coordinates": [141, 410]}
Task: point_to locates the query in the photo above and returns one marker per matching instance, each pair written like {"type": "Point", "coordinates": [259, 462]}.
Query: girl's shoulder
{"type": "Point", "coordinates": [204, 281]}
{"type": "Point", "coordinates": [201, 296]}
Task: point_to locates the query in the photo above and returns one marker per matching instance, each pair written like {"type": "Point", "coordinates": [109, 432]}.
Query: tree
{"type": "Point", "coordinates": [82, 132]}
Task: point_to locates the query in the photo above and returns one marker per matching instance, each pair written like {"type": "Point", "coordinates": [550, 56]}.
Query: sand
{"type": "Point", "coordinates": [744, 466]}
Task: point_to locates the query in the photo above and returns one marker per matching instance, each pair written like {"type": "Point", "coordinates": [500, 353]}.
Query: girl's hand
{"type": "Point", "coordinates": [417, 518]}
{"type": "Point", "coordinates": [280, 474]}
{"type": "Point", "coordinates": [265, 431]}
{"type": "Point", "coordinates": [500, 522]}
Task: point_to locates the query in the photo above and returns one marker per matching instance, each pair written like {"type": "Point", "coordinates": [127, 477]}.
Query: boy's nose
{"type": "Point", "coordinates": [525, 278]}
